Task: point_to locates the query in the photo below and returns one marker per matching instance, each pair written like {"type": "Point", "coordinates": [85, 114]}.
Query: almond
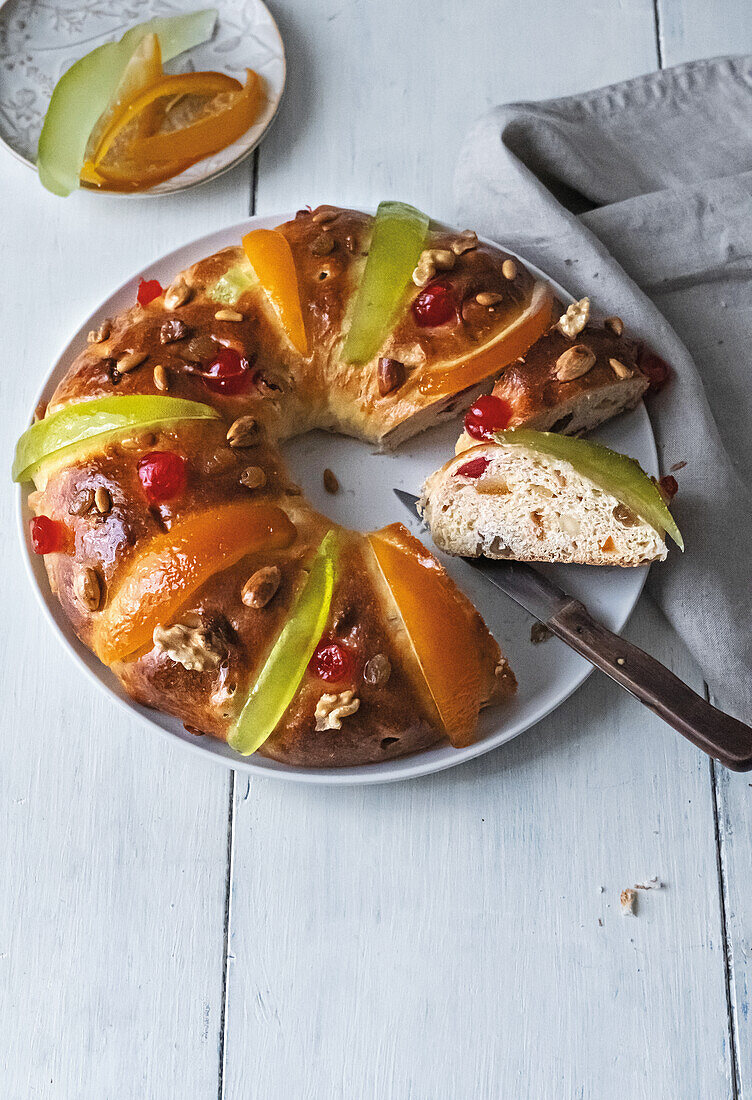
{"type": "Point", "coordinates": [574, 362]}
{"type": "Point", "coordinates": [244, 432]}
{"type": "Point", "coordinates": [619, 369]}
{"type": "Point", "coordinates": [390, 375]}
{"type": "Point", "coordinates": [261, 587]}
{"type": "Point", "coordinates": [102, 500]}
{"type": "Point", "coordinates": [378, 669]}
{"type": "Point", "coordinates": [88, 589]}
{"type": "Point", "coordinates": [130, 361]}
{"type": "Point", "coordinates": [331, 484]}
{"type": "Point", "coordinates": [177, 295]}
{"type": "Point", "coordinates": [489, 298]}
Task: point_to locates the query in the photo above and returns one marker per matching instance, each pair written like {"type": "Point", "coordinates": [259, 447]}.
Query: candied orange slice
{"type": "Point", "coordinates": [227, 119]}
{"type": "Point", "coordinates": [212, 111]}
{"type": "Point", "coordinates": [201, 84]}
{"type": "Point", "coordinates": [508, 345]}
{"type": "Point", "coordinates": [441, 630]}
{"type": "Point", "coordinates": [174, 564]}
{"type": "Point", "coordinates": [270, 256]}
{"type": "Point", "coordinates": [124, 176]}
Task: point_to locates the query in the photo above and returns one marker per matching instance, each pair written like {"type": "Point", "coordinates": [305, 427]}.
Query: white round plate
{"type": "Point", "coordinates": [39, 41]}
{"type": "Point", "coordinates": [547, 673]}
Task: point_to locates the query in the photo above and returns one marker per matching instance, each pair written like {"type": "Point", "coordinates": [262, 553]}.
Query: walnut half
{"type": "Point", "coordinates": [193, 646]}
{"type": "Point", "coordinates": [331, 709]}
{"type": "Point", "coordinates": [574, 320]}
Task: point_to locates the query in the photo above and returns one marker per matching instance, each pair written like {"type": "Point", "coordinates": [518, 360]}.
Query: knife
{"type": "Point", "coordinates": [718, 734]}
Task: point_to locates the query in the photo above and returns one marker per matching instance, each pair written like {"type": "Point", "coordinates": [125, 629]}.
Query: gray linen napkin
{"type": "Point", "coordinates": [640, 196]}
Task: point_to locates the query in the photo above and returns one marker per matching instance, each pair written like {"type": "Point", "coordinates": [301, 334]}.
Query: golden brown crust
{"type": "Point", "coordinates": [290, 394]}
{"type": "Point", "coordinates": [533, 386]}
{"type": "Point", "coordinates": [391, 720]}
{"type": "Point", "coordinates": [352, 393]}
{"type": "Point", "coordinates": [542, 396]}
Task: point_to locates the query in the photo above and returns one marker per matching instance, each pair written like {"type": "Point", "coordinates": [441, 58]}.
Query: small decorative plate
{"type": "Point", "coordinates": [547, 674]}
{"type": "Point", "coordinates": [40, 39]}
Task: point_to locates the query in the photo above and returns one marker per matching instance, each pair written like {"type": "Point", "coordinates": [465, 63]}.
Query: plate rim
{"type": "Point", "coordinates": [210, 748]}
{"type": "Point", "coordinates": [152, 192]}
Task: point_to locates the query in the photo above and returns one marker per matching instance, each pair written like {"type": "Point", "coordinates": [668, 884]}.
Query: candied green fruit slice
{"type": "Point", "coordinates": [68, 429]}
{"type": "Point", "coordinates": [615, 473]}
{"type": "Point", "coordinates": [399, 234]}
{"type": "Point", "coordinates": [283, 669]}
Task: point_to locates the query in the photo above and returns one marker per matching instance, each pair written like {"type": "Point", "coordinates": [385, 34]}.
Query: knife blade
{"type": "Point", "coordinates": [719, 735]}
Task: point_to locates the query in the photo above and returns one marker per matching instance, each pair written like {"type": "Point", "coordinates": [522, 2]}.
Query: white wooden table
{"type": "Point", "coordinates": [170, 930]}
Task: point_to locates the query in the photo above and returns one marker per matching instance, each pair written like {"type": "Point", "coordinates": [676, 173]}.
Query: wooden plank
{"type": "Point", "coordinates": [733, 796]}
{"type": "Point", "coordinates": [692, 29]}
{"type": "Point", "coordinates": [461, 935]}
{"type": "Point", "coordinates": [114, 852]}
{"type": "Point", "coordinates": [689, 29]}
{"type": "Point", "coordinates": [380, 96]}
{"type": "Point", "coordinates": [442, 938]}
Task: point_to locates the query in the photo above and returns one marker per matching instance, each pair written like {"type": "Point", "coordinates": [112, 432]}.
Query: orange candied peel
{"type": "Point", "coordinates": [122, 161]}
{"type": "Point", "coordinates": [270, 256]}
{"type": "Point", "coordinates": [175, 563]}
{"type": "Point", "coordinates": [512, 342]}
{"type": "Point", "coordinates": [443, 635]}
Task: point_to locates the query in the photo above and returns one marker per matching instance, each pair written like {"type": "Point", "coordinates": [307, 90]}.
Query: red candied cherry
{"type": "Point", "coordinates": [332, 662]}
{"type": "Point", "coordinates": [489, 414]}
{"type": "Point", "coordinates": [47, 535]}
{"type": "Point", "coordinates": [148, 290]}
{"type": "Point", "coordinates": [163, 475]}
{"type": "Point", "coordinates": [435, 305]}
{"type": "Point", "coordinates": [657, 369]}
{"type": "Point", "coordinates": [228, 373]}
{"type": "Point", "coordinates": [476, 467]}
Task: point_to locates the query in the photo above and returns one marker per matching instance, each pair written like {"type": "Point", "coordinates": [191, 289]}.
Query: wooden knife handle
{"type": "Point", "coordinates": [716, 733]}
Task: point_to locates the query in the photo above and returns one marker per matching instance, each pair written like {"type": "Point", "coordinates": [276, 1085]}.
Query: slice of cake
{"type": "Point", "coordinates": [538, 496]}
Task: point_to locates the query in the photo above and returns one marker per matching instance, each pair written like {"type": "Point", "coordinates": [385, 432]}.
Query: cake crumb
{"type": "Point", "coordinates": [628, 899]}
{"type": "Point", "coordinates": [539, 632]}
{"type": "Point", "coordinates": [653, 883]}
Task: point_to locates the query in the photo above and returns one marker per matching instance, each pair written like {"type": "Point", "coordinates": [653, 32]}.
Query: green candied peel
{"type": "Point", "coordinates": [63, 432]}
{"type": "Point", "coordinates": [283, 670]}
{"type": "Point", "coordinates": [399, 234]}
{"type": "Point", "coordinates": [84, 91]}
{"type": "Point", "coordinates": [615, 473]}
{"type": "Point", "coordinates": [230, 287]}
